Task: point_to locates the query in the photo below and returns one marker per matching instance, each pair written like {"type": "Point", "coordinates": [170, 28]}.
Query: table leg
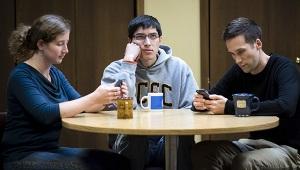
{"type": "Point", "coordinates": [171, 143]}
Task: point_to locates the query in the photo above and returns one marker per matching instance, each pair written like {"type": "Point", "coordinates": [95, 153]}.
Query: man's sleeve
{"type": "Point", "coordinates": [288, 82]}
{"type": "Point", "coordinates": [189, 87]}
{"type": "Point", "coordinates": [120, 70]}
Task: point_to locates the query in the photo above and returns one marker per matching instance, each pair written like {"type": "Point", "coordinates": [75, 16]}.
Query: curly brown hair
{"type": "Point", "coordinates": [22, 42]}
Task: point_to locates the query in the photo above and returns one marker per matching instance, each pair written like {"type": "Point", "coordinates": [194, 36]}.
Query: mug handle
{"type": "Point", "coordinates": [141, 101]}
{"type": "Point", "coordinates": [255, 100]}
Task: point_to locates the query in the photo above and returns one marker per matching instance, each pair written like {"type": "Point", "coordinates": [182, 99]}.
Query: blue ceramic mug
{"type": "Point", "coordinates": [154, 100]}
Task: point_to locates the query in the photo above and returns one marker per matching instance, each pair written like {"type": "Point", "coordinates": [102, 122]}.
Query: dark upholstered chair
{"type": "Point", "coordinates": [2, 126]}
{"type": "Point", "coordinates": [2, 122]}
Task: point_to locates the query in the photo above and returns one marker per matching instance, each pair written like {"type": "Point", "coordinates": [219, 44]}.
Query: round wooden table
{"type": "Point", "coordinates": [170, 123]}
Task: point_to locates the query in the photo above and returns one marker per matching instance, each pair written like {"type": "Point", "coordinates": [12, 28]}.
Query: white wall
{"type": "Point", "coordinates": [180, 22]}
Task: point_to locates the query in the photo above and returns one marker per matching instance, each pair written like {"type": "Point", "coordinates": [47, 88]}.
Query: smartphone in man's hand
{"type": "Point", "coordinates": [204, 93]}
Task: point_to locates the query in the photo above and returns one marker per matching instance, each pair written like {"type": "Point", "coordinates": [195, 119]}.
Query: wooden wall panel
{"type": "Point", "coordinates": [101, 39]}
{"type": "Point", "coordinates": [281, 27]}
{"type": "Point", "coordinates": [204, 37]}
{"type": "Point", "coordinates": [277, 18]}
{"type": "Point", "coordinates": [98, 37]}
{"type": "Point", "coordinates": [7, 24]}
{"type": "Point", "coordinates": [221, 13]}
{"type": "Point", "coordinates": [27, 11]}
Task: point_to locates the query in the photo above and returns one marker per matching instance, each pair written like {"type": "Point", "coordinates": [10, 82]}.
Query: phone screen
{"type": "Point", "coordinates": [204, 93]}
{"type": "Point", "coordinates": [119, 83]}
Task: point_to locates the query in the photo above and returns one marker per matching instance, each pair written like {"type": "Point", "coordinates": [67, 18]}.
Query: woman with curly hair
{"type": "Point", "coordinates": [39, 96]}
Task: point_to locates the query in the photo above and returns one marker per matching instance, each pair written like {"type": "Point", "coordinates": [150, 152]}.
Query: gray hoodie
{"type": "Point", "coordinates": [169, 75]}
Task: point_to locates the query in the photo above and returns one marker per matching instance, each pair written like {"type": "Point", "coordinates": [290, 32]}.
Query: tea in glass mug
{"type": "Point", "coordinates": [125, 108]}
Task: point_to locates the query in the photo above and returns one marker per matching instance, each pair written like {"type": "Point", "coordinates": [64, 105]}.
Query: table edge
{"type": "Point", "coordinates": [170, 132]}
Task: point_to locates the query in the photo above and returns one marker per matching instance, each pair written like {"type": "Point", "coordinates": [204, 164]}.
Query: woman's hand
{"type": "Point", "coordinates": [106, 94]}
{"type": "Point", "coordinates": [92, 102]}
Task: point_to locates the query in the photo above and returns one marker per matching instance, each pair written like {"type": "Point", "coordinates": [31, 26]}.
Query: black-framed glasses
{"type": "Point", "coordinates": [142, 37]}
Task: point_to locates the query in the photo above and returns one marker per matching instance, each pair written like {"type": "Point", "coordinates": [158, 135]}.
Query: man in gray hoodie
{"type": "Point", "coordinates": [148, 66]}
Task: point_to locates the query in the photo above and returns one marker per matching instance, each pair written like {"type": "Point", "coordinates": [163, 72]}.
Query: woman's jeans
{"type": "Point", "coordinates": [65, 158]}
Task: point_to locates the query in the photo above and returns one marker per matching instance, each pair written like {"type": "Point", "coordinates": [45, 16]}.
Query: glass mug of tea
{"type": "Point", "coordinates": [125, 108]}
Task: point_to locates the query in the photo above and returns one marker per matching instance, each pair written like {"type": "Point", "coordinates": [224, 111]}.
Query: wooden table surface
{"type": "Point", "coordinates": [168, 122]}
{"type": "Point", "coordinates": [171, 123]}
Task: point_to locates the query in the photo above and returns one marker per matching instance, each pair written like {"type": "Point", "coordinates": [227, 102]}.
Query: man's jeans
{"type": "Point", "coordinates": [148, 151]}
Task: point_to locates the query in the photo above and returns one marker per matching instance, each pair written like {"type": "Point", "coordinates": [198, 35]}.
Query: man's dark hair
{"type": "Point", "coordinates": [144, 21]}
{"type": "Point", "coordinates": [242, 26]}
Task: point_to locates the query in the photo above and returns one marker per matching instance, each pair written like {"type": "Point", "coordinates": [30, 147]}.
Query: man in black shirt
{"type": "Point", "coordinates": [272, 78]}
